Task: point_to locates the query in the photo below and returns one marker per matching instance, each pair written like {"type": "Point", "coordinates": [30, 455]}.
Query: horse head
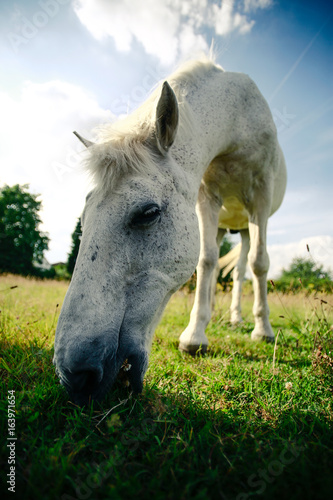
{"type": "Point", "coordinates": [140, 242]}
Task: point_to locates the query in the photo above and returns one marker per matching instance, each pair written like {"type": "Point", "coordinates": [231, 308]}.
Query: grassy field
{"type": "Point", "coordinates": [247, 420]}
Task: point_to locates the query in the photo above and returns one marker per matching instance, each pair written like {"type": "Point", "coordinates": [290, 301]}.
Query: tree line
{"type": "Point", "coordinates": [22, 247]}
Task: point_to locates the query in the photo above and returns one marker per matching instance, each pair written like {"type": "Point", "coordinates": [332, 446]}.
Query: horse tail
{"type": "Point", "coordinates": [229, 261]}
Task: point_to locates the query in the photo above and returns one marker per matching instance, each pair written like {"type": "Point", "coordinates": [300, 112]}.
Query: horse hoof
{"type": "Point", "coordinates": [262, 337]}
{"type": "Point", "coordinates": [236, 320]}
{"type": "Point", "coordinates": [194, 349]}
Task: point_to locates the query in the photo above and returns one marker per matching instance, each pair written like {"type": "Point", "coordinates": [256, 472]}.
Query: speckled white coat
{"type": "Point", "coordinates": [200, 156]}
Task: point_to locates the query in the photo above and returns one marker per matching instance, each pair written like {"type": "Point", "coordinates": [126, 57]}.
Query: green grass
{"type": "Point", "coordinates": [231, 425]}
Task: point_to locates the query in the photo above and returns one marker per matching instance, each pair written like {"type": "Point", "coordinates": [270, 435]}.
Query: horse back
{"type": "Point", "coordinates": [245, 161]}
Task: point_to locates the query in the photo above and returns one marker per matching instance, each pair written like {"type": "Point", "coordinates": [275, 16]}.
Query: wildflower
{"type": "Point", "coordinates": [123, 375]}
{"type": "Point", "coordinates": [126, 366]}
{"type": "Point", "coordinates": [288, 386]}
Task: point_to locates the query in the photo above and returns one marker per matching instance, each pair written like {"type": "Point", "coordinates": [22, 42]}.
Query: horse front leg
{"type": "Point", "coordinates": [193, 338]}
{"type": "Point", "coordinates": [259, 262]}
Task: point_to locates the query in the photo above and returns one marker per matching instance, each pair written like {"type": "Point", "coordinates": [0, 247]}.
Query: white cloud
{"type": "Point", "coordinates": [167, 29]}
{"type": "Point", "coordinates": [225, 20]}
{"type": "Point", "coordinates": [153, 23]}
{"type": "Point", "coordinates": [190, 42]}
{"type": "Point", "coordinates": [321, 251]}
{"type": "Point", "coordinates": [38, 148]}
{"type": "Point", "coordinates": [251, 5]}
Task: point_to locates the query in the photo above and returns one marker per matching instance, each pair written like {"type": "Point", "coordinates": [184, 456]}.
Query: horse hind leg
{"type": "Point", "coordinates": [220, 234]}
{"type": "Point", "coordinates": [193, 339]}
{"type": "Point", "coordinates": [238, 278]}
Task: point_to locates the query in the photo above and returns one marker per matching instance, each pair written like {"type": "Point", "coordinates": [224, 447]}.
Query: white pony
{"type": "Point", "coordinates": [198, 157]}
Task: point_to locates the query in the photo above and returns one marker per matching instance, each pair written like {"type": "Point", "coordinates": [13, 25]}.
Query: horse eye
{"type": "Point", "coordinates": [146, 216]}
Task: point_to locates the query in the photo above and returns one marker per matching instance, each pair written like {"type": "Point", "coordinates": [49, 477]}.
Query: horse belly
{"type": "Point", "coordinates": [233, 214]}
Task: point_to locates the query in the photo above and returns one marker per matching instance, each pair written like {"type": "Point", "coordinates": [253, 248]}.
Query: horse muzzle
{"type": "Point", "coordinates": [87, 378]}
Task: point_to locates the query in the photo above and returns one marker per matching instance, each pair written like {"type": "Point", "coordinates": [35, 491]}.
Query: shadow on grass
{"type": "Point", "coordinates": [167, 443]}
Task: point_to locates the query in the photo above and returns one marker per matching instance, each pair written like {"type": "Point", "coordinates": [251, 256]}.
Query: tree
{"type": "Point", "coordinates": [304, 273]}
{"type": "Point", "coordinates": [305, 269]}
{"type": "Point", "coordinates": [76, 238]}
{"type": "Point", "coordinates": [21, 242]}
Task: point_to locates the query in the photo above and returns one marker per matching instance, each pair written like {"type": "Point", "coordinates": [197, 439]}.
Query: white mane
{"type": "Point", "coordinates": [125, 146]}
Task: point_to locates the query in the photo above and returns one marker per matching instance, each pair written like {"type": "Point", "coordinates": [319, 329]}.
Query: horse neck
{"type": "Point", "coordinates": [196, 146]}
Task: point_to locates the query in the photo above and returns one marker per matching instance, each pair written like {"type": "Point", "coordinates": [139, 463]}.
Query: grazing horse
{"type": "Point", "coordinates": [200, 156]}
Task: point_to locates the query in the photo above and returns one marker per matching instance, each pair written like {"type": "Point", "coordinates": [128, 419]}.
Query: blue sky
{"type": "Point", "coordinates": [71, 65]}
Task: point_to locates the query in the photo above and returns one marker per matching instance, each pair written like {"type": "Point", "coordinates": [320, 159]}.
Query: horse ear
{"type": "Point", "coordinates": [166, 118]}
{"type": "Point", "coordinates": [84, 141]}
